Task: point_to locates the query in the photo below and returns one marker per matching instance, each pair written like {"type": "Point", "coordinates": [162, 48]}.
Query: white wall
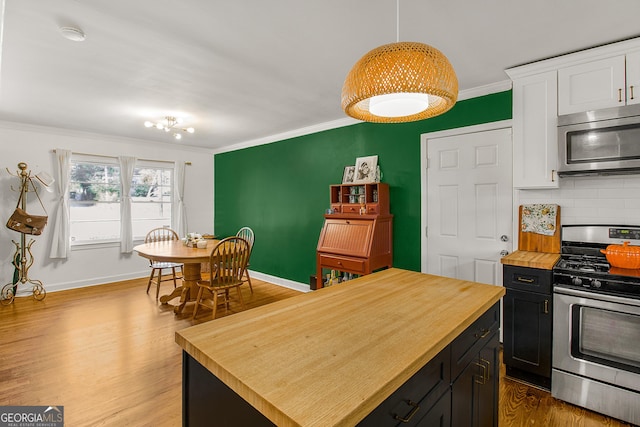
{"type": "Point", "coordinates": [33, 145]}
{"type": "Point", "coordinates": [592, 200]}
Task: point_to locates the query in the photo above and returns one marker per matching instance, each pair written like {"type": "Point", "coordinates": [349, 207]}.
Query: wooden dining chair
{"type": "Point", "coordinates": [247, 234]}
{"type": "Point", "coordinates": [228, 261]}
{"type": "Point", "coordinates": [156, 277]}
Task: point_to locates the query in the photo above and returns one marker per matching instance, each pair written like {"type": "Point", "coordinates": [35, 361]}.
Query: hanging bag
{"type": "Point", "coordinates": [24, 222]}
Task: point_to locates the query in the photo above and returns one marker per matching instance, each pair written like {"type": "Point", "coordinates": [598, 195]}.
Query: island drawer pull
{"type": "Point", "coordinates": [483, 361]}
{"type": "Point", "coordinates": [483, 333]}
{"type": "Point", "coordinates": [483, 379]}
{"type": "Point", "coordinates": [410, 415]}
{"type": "Point", "coordinates": [522, 279]}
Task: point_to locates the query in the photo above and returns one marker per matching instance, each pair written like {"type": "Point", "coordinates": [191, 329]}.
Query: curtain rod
{"type": "Point", "coordinates": [115, 157]}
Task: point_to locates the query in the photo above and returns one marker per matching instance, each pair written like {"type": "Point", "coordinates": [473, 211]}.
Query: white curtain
{"type": "Point", "coordinates": [180, 218]}
{"type": "Point", "coordinates": [60, 240]}
{"type": "Point", "coordinates": [127, 164]}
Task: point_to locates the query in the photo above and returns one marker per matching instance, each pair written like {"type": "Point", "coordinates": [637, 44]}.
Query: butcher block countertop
{"type": "Point", "coordinates": [541, 260]}
{"type": "Point", "coordinates": [329, 357]}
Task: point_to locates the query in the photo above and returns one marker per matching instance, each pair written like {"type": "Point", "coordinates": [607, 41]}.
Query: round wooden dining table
{"type": "Point", "coordinates": [176, 251]}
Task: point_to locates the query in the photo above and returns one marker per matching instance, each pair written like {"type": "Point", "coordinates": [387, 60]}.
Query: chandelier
{"type": "Point", "coordinates": [400, 82]}
{"type": "Point", "coordinates": [170, 124]}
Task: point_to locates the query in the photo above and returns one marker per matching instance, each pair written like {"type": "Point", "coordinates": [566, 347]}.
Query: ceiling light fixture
{"type": "Point", "coordinates": [170, 124]}
{"type": "Point", "coordinates": [73, 34]}
{"type": "Point", "coordinates": [400, 82]}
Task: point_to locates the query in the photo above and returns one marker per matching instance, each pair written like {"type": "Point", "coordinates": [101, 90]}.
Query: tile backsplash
{"type": "Point", "coordinates": [592, 200]}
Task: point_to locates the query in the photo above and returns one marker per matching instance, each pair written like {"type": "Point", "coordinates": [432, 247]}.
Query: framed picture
{"type": "Point", "coordinates": [366, 169]}
{"type": "Point", "coordinates": [349, 174]}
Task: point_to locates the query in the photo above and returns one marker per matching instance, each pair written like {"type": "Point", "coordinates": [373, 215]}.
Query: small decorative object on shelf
{"type": "Point", "coordinates": [24, 223]}
{"type": "Point", "coordinates": [366, 169]}
{"type": "Point", "coordinates": [349, 174]}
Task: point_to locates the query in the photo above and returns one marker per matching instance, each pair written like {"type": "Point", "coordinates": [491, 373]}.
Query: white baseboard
{"type": "Point", "coordinates": [26, 289]}
{"type": "Point", "coordinates": [285, 283]}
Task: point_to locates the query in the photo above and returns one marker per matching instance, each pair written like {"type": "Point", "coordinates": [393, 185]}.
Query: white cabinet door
{"type": "Point", "coordinates": [592, 86]}
{"type": "Point", "coordinates": [633, 78]}
{"type": "Point", "coordinates": [535, 132]}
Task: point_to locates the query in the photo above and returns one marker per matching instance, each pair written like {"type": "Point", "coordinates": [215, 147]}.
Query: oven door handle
{"type": "Point", "coordinates": [559, 289]}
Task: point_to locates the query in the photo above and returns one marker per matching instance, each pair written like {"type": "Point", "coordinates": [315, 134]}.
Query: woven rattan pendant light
{"type": "Point", "coordinates": [414, 76]}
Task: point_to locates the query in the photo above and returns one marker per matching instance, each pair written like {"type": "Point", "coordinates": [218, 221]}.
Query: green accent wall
{"type": "Point", "coordinates": [281, 189]}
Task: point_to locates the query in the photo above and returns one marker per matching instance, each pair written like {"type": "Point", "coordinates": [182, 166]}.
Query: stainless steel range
{"type": "Point", "coordinates": [596, 325]}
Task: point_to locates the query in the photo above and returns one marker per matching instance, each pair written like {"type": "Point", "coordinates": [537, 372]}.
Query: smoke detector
{"type": "Point", "coordinates": [72, 33]}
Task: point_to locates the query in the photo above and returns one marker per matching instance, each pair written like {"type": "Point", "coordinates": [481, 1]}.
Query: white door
{"type": "Point", "coordinates": [469, 206]}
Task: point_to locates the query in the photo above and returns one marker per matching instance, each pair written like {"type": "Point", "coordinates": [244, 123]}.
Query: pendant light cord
{"type": "Point", "coordinates": [397, 21]}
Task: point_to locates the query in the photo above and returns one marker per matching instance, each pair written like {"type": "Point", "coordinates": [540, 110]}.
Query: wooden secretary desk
{"type": "Point", "coordinates": [358, 237]}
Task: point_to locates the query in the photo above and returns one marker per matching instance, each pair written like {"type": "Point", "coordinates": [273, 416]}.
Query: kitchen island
{"type": "Point", "coordinates": [334, 356]}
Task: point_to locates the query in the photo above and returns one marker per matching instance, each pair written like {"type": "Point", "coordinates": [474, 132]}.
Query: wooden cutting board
{"type": "Point", "coordinates": [534, 242]}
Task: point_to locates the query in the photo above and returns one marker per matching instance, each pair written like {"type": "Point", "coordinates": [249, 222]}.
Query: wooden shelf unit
{"type": "Point", "coordinates": [349, 198]}
{"type": "Point", "coordinates": [358, 237]}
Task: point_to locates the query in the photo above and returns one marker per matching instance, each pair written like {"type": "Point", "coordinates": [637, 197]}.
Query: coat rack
{"type": "Point", "coordinates": [23, 257]}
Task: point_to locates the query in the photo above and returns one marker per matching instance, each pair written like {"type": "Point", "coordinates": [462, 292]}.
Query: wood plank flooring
{"type": "Point", "coordinates": [522, 405]}
{"type": "Point", "coordinates": [107, 354]}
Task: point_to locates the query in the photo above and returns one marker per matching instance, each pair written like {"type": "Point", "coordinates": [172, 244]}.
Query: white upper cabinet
{"type": "Point", "coordinates": [591, 86]}
{"type": "Point", "coordinates": [602, 77]}
{"type": "Point", "coordinates": [605, 83]}
{"type": "Point", "coordinates": [633, 77]}
{"type": "Point", "coordinates": [535, 132]}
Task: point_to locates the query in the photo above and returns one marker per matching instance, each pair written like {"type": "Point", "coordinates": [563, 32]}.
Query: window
{"type": "Point", "coordinates": [151, 199]}
{"type": "Point", "coordinates": [94, 198]}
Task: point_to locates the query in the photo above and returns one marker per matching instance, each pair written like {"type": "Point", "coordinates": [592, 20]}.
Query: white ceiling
{"type": "Point", "coordinates": [244, 70]}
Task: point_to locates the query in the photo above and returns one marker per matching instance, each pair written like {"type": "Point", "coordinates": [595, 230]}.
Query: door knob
{"type": "Point", "coordinates": [504, 252]}
{"type": "Point", "coordinates": [504, 238]}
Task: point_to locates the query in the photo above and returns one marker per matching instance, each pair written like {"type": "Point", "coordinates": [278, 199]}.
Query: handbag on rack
{"type": "Point", "coordinates": [24, 222]}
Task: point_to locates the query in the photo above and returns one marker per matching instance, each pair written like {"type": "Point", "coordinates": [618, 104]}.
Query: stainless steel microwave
{"type": "Point", "coordinates": [604, 142]}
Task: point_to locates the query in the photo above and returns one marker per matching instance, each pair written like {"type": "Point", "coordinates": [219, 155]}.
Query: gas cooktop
{"type": "Point", "coordinates": [582, 264]}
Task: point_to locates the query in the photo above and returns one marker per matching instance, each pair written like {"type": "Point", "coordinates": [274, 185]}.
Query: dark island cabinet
{"type": "Point", "coordinates": [475, 373]}
{"type": "Point", "coordinates": [419, 399]}
{"type": "Point", "coordinates": [458, 387]}
{"type": "Point", "coordinates": [528, 308]}
{"type": "Point", "coordinates": [475, 391]}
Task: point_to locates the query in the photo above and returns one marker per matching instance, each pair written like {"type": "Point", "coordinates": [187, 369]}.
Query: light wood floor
{"type": "Point", "coordinates": [107, 354]}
